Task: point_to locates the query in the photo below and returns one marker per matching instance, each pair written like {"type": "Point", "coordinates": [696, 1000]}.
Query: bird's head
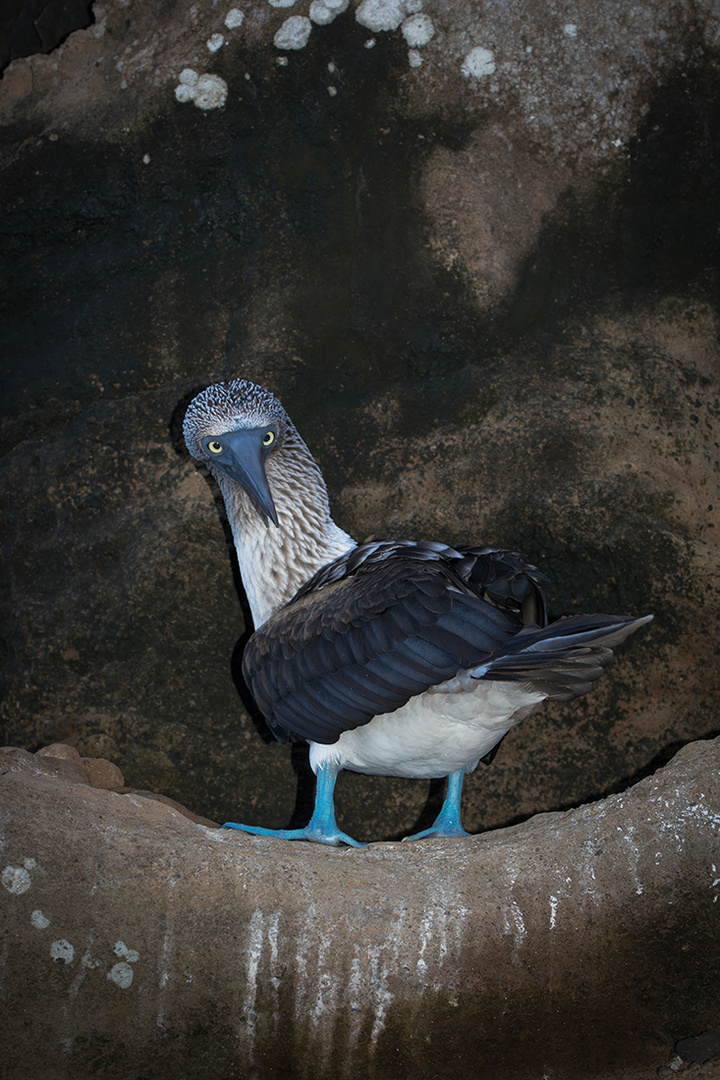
{"type": "Point", "coordinates": [233, 427]}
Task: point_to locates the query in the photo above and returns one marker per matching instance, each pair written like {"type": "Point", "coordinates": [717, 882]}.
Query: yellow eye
{"type": "Point", "coordinates": [215, 447]}
{"type": "Point", "coordinates": [268, 438]}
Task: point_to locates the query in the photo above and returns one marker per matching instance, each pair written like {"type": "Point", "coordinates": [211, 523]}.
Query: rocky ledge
{"type": "Point", "coordinates": [141, 942]}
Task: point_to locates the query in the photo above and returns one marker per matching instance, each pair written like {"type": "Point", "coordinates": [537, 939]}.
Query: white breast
{"type": "Point", "coordinates": [434, 734]}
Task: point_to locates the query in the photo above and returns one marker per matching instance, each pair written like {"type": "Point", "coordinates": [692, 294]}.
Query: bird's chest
{"type": "Point", "coordinates": [434, 734]}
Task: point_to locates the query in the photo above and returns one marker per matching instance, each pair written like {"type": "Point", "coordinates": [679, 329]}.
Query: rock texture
{"type": "Point", "coordinates": [582, 944]}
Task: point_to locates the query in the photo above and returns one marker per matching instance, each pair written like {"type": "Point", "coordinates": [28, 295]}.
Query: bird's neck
{"type": "Point", "coordinates": [276, 560]}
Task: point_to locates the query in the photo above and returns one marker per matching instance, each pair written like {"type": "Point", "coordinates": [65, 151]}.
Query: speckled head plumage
{"type": "Point", "coordinates": [229, 405]}
{"type": "Point", "coordinates": [274, 493]}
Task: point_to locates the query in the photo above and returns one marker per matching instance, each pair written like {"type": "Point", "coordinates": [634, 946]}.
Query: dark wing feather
{"type": "Point", "coordinates": [380, 625]}
{"type": "Point", "coordinates": [562, 660]}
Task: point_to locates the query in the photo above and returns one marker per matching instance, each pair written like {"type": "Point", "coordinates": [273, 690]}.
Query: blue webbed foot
{"type": "Point", "coordinates": [314, 833]}
{"type": "Point", "coordinates": [439, 828]}
{"type": "Point", "coordinates": [321, 828]}
{"type": "Point", "coordinates": [448, 822]}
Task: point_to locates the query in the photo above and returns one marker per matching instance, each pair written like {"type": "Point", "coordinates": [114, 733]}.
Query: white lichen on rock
{"type": "Point", "coordinates": [418, 30]}
{"type": "Point", "coordinates": [323, 12]}
{"type": "Point", "coordinates": [62, 950]}
{"type": "Point", "coordinates": [16, 879]}
{"type": "Point", "coordinates": [478, 62]}
{"type": "Point", "coordinates": [205, 91]}
{"type": "Point", "coordinates": [234, 18]}
{"type": "Point", "coordinates": [294, 33]}
{"type": "Point", "coordinates": [379, 15]}
{"type": "Point", "coordinates": [211, 92]}
{"type": "Point", "coordinates": [121, 974]}
{"type": "Point", "coordinates": [121, 949]}
{"type": "Point", "coordinates": [215, 42]}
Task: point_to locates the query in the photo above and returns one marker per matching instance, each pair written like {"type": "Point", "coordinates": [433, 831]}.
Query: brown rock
{"type": "Point", "coordinates": [172, 803]}
{"type": "Point", "coordinates": [58, 760]}
{"type": "Point", "coordinates": [103, 773]}
{"type": "Point", "coordinates": [574, 945]}
{"type": "Point", "coordinates": [60, 750]}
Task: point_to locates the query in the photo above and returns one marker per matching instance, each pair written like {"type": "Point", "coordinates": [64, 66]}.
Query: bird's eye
{"type": "Point", "coordinates": [215, 447]}
{"type": "Point", "coordinates": [268, 438]}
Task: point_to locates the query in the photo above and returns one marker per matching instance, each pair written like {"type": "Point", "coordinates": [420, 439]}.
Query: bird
{"type": "Point", "coordinates": [391, 657]}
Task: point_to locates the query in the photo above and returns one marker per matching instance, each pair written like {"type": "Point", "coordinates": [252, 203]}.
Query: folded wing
{"type": "Point", "coordinates": [382, 624]}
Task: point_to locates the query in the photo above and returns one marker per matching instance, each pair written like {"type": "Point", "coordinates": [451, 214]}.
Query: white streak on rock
{"type": "Point", "coordinates": [301, 964]}
{"type": "Point", "coordinates": [275, 970]}
{"type": "Point", "coordinates": [633, 857]}
{"type": "Point", "coordinates": [521, 932]}
{"type": "Point", "coordinates": [253, 952]}
{"type": "Point", "coordinates": [167, 952]}
{"type": "Point", "coordinates": [425, 939]}
{"type": "Point", "coordinates": [383, 962]}
{"type": "Point", "coordinates": [325, 985]}
{"type": "Point", "coordinates": [354, 999]}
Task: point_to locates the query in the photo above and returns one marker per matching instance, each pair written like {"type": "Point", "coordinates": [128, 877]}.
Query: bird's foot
{"type": "Point", "coordinates": [317, 834]}
{"type": "Point", "coordinates": [439, 828]}
{"type": "Point", "coordinates": [448, 821]}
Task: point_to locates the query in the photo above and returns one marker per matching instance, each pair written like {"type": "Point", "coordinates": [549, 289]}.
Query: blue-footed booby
{"type": "Point", "coordinates": [393, 658]}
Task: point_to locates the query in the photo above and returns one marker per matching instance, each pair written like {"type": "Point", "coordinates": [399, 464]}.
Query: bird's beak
{"type": "Point", "coordinates": [243, 460]}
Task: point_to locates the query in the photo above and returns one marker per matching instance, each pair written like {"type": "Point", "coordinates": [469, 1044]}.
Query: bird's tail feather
{"type": "Point", "coordinates": [562, 660]}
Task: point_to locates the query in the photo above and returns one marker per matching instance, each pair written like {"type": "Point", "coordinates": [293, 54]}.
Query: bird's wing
{"type": "Point", "coordinates": [380, 625]}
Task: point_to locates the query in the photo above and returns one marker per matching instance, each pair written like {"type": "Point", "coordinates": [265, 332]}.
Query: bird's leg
{"type": "Point", "coordinates": [448, 822]}
{"type": "Point", "coordinates": [322, 827]}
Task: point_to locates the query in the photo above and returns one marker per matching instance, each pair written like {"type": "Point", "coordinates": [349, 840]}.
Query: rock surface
{"type": "Point", "coordinates": [582, 944]}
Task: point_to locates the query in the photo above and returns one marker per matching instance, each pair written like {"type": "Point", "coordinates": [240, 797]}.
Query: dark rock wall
{"type": "Point", "coordinates": [490, 321]}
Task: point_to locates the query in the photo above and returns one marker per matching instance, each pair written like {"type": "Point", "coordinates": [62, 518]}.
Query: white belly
{"type": "Point", "coordinates": [434, 734]}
